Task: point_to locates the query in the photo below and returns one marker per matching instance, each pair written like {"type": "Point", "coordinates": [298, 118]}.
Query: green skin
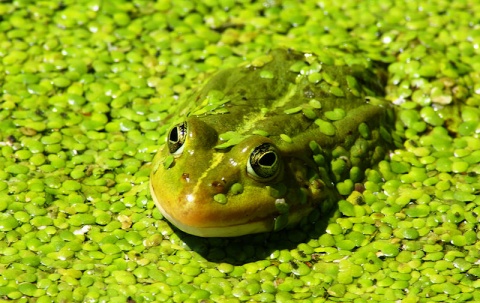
{"type": "Point", "coordinates": [193, 174]}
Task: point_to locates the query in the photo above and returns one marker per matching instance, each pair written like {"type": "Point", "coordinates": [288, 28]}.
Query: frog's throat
{"type": "Point", "coordinates": [221, 231]}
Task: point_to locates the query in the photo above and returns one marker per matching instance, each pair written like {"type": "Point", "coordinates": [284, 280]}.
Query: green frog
{"type": "Point", "coordinates": [260, 146]}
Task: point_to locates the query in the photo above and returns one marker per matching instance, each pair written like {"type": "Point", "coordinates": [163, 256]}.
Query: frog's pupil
{"type": "Point", "coordinates": [174, 135]}
{"type": "Point", "coordinates": [268, 159]}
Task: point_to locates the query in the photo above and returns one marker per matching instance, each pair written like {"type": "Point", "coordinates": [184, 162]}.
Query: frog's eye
{"type": "Point", "coordinates": [264, 162]}
{"type": "Point", "coordinates": [176, 138]}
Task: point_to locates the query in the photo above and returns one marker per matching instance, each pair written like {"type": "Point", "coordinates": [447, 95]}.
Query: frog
{"type": "Point", "coordinates": [261, 145]}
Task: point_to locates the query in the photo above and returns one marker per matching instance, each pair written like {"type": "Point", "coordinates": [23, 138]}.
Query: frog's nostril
{"type": "Point", "coordinates": [219, 186]}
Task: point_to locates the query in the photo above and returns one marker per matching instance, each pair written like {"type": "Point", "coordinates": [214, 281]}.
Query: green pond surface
{"type": "Point", "coordinates": [85, 89]}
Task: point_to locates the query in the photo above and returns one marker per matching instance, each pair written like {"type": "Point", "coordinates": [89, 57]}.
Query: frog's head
{"type": "Point", "coordinates": [212, 192]}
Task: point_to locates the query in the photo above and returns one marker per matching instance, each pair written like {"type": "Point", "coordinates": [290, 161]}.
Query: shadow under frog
{"type": "Point", "coordinates": [250, 248]}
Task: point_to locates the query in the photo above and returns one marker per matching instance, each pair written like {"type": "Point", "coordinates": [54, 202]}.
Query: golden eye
{"type": "Point", "coordinates": [176, 138]}
{"type": "Point", "coordinates": [264, 163]}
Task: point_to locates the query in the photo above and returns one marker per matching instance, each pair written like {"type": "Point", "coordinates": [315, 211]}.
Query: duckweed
{"type": "Point", "coordinates": [86, 86]}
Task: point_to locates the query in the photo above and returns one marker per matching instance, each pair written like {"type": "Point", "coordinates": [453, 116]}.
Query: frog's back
{"type": "Point", "coordinates": [275, 98]}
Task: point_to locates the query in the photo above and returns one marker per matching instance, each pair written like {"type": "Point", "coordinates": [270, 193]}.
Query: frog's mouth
{"type": "Point", "coordinates": [215, 231]}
